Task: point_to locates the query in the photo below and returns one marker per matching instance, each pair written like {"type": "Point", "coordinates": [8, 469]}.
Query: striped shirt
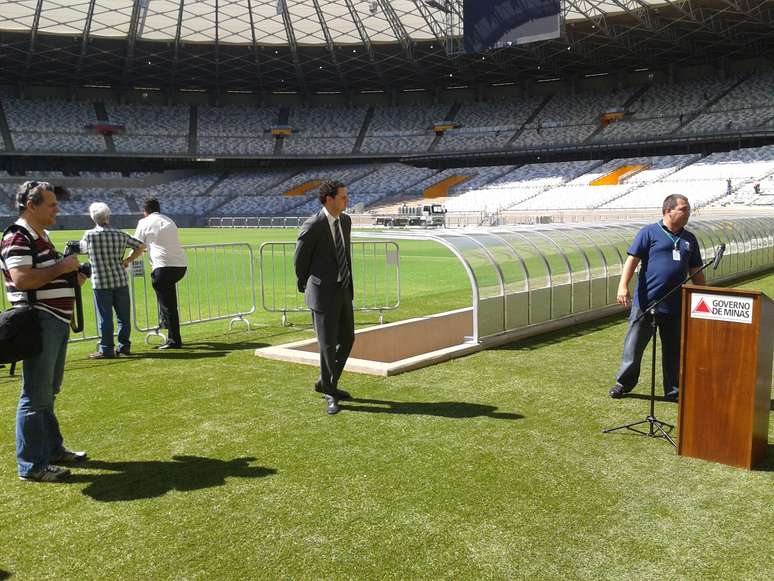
{"type": "Point", "coordinates": [56, 297]}
{"type": "Point", "coordinates": [106, 246]}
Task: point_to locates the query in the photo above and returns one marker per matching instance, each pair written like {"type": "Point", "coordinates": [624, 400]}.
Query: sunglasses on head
{"type": "Point", "coordinates": [28, 187]}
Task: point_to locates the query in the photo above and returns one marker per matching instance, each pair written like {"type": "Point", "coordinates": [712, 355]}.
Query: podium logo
{"type": "Point", "coordinates": [722, 308]}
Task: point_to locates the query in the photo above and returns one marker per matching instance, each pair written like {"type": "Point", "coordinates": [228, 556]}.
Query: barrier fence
{"type": "Point", "coordinates": [219, 284]}
{"type": "Point", "coordinates": [375, 270]}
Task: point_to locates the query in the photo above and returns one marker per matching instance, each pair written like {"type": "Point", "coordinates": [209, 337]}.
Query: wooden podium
{"type": "Point", "coordinates": [725, 375]}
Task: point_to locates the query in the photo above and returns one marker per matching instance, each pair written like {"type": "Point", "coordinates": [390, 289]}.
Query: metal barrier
{"type": "Point", "coordinates": [375, 270]}
{"type": "Point", "coordinates": [219, 284]}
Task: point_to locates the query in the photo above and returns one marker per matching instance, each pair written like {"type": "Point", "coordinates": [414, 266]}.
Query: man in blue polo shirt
{"type": "Point", "coordinates": [667, 252]}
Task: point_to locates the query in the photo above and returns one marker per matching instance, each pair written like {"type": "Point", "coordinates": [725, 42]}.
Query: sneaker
{"type": "Point", "coordinates": [125, 352]}
{"type": "Point", "coordinates": [99, 355]}
{"type": "Point", "coordinates": [618, 391]}
{"type": "Point", "coordinates": [47, 474]}
{"type": "Point", "coordinates": [673, 396]}
{"type": "Point", "coordinates": [69, 457]}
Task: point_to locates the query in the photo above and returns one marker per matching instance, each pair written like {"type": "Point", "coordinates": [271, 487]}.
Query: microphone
{"type": "Point", "coordinates": [718, 256]}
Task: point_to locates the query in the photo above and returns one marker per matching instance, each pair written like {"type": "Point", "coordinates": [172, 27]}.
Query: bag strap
{"type": "Point", "coordinates": [16, 228]}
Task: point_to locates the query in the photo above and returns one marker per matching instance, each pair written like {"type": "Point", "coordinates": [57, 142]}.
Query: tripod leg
{"type": "Point", "coordinates": [655, 424]}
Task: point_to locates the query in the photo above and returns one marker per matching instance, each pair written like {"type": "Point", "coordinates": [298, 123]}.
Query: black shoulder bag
{"type": "Point", "coordinates": [20, 334]}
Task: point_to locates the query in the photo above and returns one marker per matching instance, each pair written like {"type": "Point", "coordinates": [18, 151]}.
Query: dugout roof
{"type": "Point", "coordinates": [340, 45]}
{"type": "Point", "coordinates": [522, 276]}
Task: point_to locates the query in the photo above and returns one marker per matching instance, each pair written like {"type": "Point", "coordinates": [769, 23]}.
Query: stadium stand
{"type": "Point", "coordinates": [602, 184]}
{"type": "Point", "coordinates": [81, 198]}
{"type": "Point", "coordinates": [708, 180]}
{"type": "Point", "coordinates": [251, 183]}
{"type": "Point", "coordinates": [389, 180]}
{"type": "Point", "coordinates": [488, 125]}
{"type": "Point", "coordinates": [52, 126]}
{"type": "Point", "coordinates": [518, 185]}
{"type": "Point", "coordinates": [406, 128]}
{"type": "Point", "coordinates": [152, 129]}
{"type": "Point", "coordinates": [236, 130]}
{"type": "Point", "coordinates": [318, 145]}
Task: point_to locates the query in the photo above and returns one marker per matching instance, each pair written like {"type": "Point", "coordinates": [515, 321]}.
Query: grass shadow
{"type": "Point", "coordinates": [554, 337]}
{"type": "Point", "coordinates": [153, 478]}
{"type": "Point", "coordinates": [224, 346]}
{"type": "Point", "coordinates": [646, 397]}
{"type": "Point", "coordinates": [768, 463]}
{"type": "Point", "coordinates": [444, 409]}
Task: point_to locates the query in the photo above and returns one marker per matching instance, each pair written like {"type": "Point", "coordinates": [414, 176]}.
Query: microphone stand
{"type": "Point", "coordinates": [655, 426]}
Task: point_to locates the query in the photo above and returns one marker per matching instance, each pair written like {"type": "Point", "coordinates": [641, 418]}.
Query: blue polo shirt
{"type": "Point", "coordinates": [659, 271]}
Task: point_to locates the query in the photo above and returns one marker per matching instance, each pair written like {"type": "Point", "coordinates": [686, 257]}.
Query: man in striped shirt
{"type": "Point", "coordinates": [106, 246]}
{"type": "Point", "coordinates": [39, 267]}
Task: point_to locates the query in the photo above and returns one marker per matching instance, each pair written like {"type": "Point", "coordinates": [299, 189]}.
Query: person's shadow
{"type": "Point", "coordinates": [444, 409]}
{"type": "Point", "coordinates": [149, 479]}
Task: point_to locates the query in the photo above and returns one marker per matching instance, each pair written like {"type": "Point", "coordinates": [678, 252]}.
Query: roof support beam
{"type": "Point", "coordinates": [291, 34]}
{"type": "Point", "coordinates": [432, 24]}
{"type": "Point", "coordinates": [85, 40]}
{"type": "Point", "coordinates": [398, 29]}
{"type": "Point", "coordinates": [643, 13]}
{"type": "Point", "coordinates": [139, 10]}
{"type": "Point", "coordinates": [176, 50]}
{"type": "Point", "coordinates": [329, 43]}
{"type": "Point", "coordinates": [33, 38]}
{"type": "Point", "coordinates": [217, 51]}
{"type": "Point", "coordinates": [256, 58]}
{"type": "Point", "coordinates": [361, 30]}
{"type": "Point", "coordinates": [610, 32]}
{"type": "Point", "coordinates": [752, 11]}
{"type": "Point", "coordinates": [696, 15]}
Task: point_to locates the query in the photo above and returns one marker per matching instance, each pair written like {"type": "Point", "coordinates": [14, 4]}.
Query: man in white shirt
{"type": "Point", "coordinates": [168, 263]}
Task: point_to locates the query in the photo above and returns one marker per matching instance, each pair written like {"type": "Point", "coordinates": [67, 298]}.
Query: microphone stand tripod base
{"type": "Point", "coordinates": [655, 429]}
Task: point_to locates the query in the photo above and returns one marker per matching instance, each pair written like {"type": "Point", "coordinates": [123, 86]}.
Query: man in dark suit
{"type": "Point", "coordinates": [323, 262]}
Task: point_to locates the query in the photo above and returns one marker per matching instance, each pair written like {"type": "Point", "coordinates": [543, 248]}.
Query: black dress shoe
{"type": "Point", "coordinates": [618, 391]}
{"type": "Point", "coordinates": [333, 405]}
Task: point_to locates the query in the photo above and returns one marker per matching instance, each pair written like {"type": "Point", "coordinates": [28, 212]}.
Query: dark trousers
{"type": "Point", "coordinates": [164, 280]}
{"type": "Point", "coordinates": [637, 338]}
{"type": "Point", "coordinates": [335, 330]}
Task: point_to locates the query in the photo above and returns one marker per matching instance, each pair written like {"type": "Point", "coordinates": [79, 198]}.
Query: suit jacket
{"type": "Point", "coordinates": [317, 269]}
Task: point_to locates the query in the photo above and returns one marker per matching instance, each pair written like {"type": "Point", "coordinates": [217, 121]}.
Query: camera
{"type": "Point", "coordinates": [74, 247]}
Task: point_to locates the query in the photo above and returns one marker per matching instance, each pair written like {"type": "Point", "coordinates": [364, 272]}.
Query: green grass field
{"type": "Point", "coordinates": [209, 463]}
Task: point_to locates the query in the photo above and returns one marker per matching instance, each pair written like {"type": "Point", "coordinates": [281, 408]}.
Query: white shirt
{"type": "Point", "coordinates": [159, 233]}
{"type": "Point", "coordinates": [331, 220]}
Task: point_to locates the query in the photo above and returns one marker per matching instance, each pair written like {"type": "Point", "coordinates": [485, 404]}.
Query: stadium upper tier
{"type": "Point", "coordinates": [739, 177]}
{"type": "Point", "coordinates": [733, 106]}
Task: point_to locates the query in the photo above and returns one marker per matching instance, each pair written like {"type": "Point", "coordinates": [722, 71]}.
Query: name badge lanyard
{"type": "Point", "coordinates": [675, 240]}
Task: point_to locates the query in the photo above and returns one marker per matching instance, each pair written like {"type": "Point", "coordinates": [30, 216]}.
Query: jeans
{"type": "Point", "coordinates": [164, 280]}
{"type": "Point", "coordinates": [637, 338]}
{"type": "Point", "coordinates": [38, 438]}
{"type": "Point", "coordinates": [108, 299]}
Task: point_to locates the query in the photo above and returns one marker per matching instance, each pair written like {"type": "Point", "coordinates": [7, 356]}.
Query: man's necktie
{"type": "Point", "coordinates": [341, 255]}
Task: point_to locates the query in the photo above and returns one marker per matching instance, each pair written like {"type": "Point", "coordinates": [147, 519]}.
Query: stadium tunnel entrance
{"type": "Point", "coordinates": [528, 280]}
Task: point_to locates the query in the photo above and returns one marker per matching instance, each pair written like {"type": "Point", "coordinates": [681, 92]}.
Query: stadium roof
{"type": "Point", "coordinates": [335, 45]}
{"type": "Point", "coordinates": [235, 21]}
